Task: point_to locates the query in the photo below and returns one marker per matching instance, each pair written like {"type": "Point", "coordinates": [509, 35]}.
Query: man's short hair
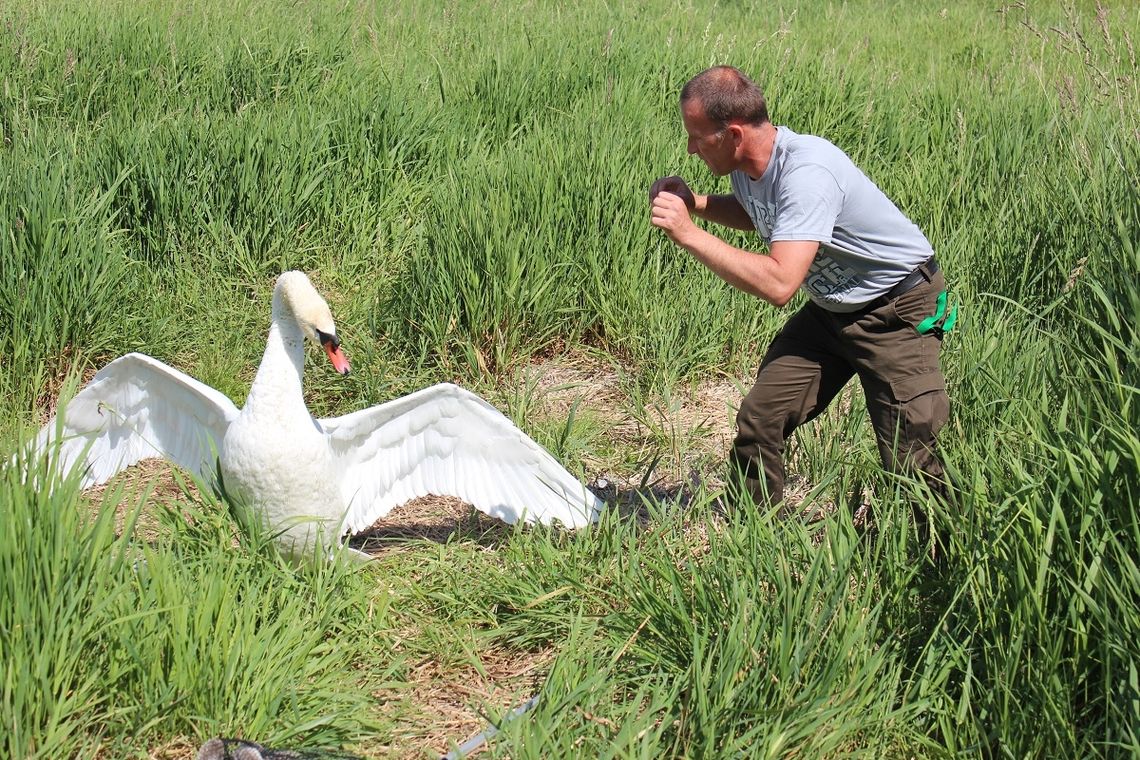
{"type": "Point", "coordinates": [727, 95]}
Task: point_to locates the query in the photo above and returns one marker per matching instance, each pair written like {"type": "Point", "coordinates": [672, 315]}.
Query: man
{"type": "Point", "coordinates": [876, 295]}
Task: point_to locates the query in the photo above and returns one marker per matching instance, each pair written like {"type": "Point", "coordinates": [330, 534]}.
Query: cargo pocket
{"type": "Point", "coordinates": [922, 407]}
{"type": "Point", "coordinates": [905, 389]}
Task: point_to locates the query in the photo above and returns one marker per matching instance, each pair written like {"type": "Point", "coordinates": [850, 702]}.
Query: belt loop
{"type": "Point", "coordinates": [925, 268]}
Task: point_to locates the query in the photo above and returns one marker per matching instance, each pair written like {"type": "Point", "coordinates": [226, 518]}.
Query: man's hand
{"type": "Point", "coordinates": [671, 213]}
{"type": "Point", "coordinates": [677, 187]}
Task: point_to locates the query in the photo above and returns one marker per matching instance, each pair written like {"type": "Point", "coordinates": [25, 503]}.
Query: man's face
{"type": "Point", "coordinates": [715, 145]}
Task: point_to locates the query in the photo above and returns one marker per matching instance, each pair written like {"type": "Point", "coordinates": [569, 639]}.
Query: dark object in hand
{"type": "Point", "coordinates": [676, 186]}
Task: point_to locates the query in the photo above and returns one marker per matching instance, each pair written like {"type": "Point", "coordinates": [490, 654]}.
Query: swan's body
{"type": "Point", "coordinates": [310, 481]}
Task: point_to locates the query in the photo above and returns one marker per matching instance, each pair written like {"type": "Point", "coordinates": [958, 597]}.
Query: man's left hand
{"type": "Point", "coordinates": [670, 213]}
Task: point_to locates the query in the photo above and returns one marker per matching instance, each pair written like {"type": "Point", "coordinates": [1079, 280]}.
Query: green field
{"type": "Point", "coordinates": [466, 183]}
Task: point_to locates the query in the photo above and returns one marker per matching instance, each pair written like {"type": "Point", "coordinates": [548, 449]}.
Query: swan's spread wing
{"type": "Point", "coordinates": [134, 408]}
{"type": "Point", "coordinates": [446, 441]}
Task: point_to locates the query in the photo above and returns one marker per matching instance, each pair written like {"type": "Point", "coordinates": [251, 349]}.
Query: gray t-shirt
{"type": "Point", "coordinates": [811, 190]}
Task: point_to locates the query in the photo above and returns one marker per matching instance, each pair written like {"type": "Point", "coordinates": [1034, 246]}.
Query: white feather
{"type": "Point", "coordinates": [501, 470]}
{"type": "Point", "coordinates": [136, 408]}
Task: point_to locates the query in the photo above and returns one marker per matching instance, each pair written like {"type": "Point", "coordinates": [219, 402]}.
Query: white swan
{"type": "Point", "coordinates": [311, 481]}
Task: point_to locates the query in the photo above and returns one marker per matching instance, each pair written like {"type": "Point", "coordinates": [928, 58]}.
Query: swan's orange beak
{"type": "Point", "coordinates": [336, 356]}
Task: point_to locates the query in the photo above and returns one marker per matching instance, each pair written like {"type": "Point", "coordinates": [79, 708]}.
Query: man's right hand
{"type": "Point", "coordinates": [676, 186]}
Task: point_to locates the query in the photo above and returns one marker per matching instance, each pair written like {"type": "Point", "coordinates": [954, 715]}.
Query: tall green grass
{"type": "Point", "coordinates": [467, 184]}
{"type": "Point", "coordinates": [111, 644]}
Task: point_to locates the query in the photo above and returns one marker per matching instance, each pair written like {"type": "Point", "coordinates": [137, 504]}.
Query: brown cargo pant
{"type": "Point", "coordinates": [814, 356]}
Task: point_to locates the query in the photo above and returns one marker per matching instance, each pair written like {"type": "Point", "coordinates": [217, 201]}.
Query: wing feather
{"type": "Point", "coordinates": [447, 441]}
{"type": "Point", "coordinates": [135, 408]}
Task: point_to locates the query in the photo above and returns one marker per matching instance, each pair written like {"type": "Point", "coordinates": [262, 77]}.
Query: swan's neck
{"type": "Point", "coordinates": [276, 389]}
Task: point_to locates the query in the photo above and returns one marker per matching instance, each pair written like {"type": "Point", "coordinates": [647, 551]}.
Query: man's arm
{"type": "Point", "coordinates": [724, 210]}
{"type": "Point", "coordinates": [774, 277]}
